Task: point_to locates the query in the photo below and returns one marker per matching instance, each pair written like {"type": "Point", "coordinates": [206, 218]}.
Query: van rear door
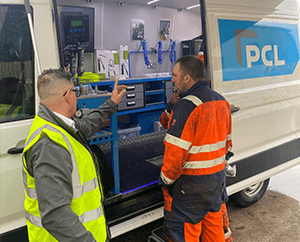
{"type": "Point", "coordinates": [253, 56]}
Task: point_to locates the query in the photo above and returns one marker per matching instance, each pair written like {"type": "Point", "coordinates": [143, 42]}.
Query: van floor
{"type": "Point", "coordinates": [140, 160]}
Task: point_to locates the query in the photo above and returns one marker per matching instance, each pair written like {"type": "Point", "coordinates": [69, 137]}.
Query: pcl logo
{"type": "Point", "coordinates": [254, 58]}
{"type": "Point", "coordinates": [257, 49]}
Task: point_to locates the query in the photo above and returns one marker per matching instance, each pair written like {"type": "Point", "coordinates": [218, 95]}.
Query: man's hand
{"type": "Point", "coordinates": [118, 92]}
{"type": "Point", "coordinates": [175, 97]}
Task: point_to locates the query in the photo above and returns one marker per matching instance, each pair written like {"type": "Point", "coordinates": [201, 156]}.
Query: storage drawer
{"type": "Point", "coordinates": [131, 104]}
{"type": "Point", "coordinates": [132, 96]}
{"type": "Point", "coordinates": [135, 88]}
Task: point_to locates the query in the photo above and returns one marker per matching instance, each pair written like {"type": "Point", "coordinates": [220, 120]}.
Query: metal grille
{"type": "Point", "coordinates": [141, 138]}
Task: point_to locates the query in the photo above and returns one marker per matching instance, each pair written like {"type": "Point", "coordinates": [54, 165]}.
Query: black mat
{"type": "Point", "coordinates": [136, 156]}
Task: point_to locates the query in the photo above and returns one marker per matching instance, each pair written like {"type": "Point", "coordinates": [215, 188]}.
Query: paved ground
{"type": "Point", "coordinates": [287, 182]}
{"type": "Point", "coordinates": [275, 218]}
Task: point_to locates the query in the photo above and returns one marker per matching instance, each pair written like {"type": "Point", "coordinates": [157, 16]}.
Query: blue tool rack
{"type": "Point", "coordinates": [154, 103]}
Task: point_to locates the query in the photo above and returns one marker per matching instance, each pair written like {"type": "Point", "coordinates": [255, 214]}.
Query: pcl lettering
{"type": "Point", "coordinates": [253, 54]}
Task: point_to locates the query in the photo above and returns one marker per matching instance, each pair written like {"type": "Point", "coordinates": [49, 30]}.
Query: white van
{"type": "Point", "coordinates": [251, 52]}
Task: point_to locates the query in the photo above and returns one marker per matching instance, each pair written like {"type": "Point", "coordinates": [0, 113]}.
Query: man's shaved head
{"type": "Point", "coordinates": [51, 82]}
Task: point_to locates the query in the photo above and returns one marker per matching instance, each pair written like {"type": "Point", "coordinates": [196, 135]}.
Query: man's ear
{"type": "Point", "coordinates": [67, 97]}
{"type": "Point", "coordinates": [187, 78]}
{"type": "Point", "coordinates": [67, 100]}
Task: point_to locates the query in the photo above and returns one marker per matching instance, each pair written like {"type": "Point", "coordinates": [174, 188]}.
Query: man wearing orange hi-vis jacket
{"type": "Point", "coordinates": [197, 145]}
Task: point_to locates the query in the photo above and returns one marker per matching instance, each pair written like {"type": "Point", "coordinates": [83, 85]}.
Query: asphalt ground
{"type": "Point", "coordinates": [275, 218]}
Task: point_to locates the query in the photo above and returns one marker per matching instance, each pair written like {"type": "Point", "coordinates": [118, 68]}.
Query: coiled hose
{"type": "Point", "coordinates": [146, 59]}
{"type": "Point", "coordinates": [159, 53]}
{"type": "Point", "coordinates": [172, 51]}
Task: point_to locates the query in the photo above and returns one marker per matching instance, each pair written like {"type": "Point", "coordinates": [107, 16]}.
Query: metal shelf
{"type": "Point", "coordinates": [160, 91]}
{"type": "Point", "coordinates": [157, 105]}
{"type": "Point", "coordinates": [101, 138]}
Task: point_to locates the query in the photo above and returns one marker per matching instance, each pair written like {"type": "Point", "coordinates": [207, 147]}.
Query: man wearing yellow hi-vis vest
{"type": "Point", "coordinates": [63, 191]}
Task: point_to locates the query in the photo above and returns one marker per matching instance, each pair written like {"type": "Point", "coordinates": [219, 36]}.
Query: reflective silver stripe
{"type": "Point", "coordinates": [33, 219]}
{"type": "Point", "coordinates": [165, 179]}
{"type": "Point", "coordinates": [168, 114]}
{"type": "Point", "coordinates": [207, 148]}
{"type": "Point", "coordinates": [228, 137]}
{"type": "Point", "coordinates": [203, 164]}
{"type": "Point", "coordinates": [84, 218]}
{"type": "Point", "coordinates": [86, 187]}
{"type": "Point", "coordinates": [91, 215]}
{"type": "Point", "coordinates": [177, 141]}
{"type": "Point", "coordinates": [193, 99]}
{"type": "Point", "coordinates": [29, 191]}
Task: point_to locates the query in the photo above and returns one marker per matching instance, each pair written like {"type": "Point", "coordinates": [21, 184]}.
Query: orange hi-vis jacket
{"type": "Point", "coordinates": [199, 134]}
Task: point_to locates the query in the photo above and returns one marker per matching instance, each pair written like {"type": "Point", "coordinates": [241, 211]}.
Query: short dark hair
{"type": "Point", "coordinates": [51, 78]}
{"type": "Point", "coordinates": [192, 65]}
{"type": "Point", "coordinates": [56, 74]}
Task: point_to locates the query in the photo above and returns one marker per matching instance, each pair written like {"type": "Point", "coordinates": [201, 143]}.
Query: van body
{"type": "Point", "coordinates": [253, 57]}
{"type": "Point", "coordinates": [251, 51]}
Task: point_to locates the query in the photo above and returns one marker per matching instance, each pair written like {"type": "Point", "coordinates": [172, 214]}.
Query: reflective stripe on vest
{"type": "Point", "coordinates": [209, 147]}
{"type": "Point", "coordinates": [165, 179]}
{"type": "Point", "coordinates": [203, 164]}
{"type": "Point", "coordinates": [177, 141]}
{"type": "Point", "coordinates": [33, 219]}
{"type": "Point", "coordinates": [193, 99]}
{"type": "Point", "coordinates": [29, 191]}
{"type": "Point", "coordinates": [167, 113]}
{"type": "Point", "coordinates": [84, 218]}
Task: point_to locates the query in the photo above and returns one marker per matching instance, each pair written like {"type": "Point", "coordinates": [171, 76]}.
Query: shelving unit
{"type": "Point", "coordinates": [153, 100]}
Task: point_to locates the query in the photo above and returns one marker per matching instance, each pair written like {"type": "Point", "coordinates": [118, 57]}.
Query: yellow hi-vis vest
{"type": "Point", "coordinates": [87, 195]}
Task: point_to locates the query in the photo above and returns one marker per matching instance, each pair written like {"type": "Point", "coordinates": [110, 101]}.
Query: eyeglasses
{"type": "Point", "coordinates": [77, 92]}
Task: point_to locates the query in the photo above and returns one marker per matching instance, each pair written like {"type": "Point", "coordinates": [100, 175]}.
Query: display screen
{"type": "Point", "coordinates": [77, 27]}
{"type": "Point", "coordinates": [76, 23]}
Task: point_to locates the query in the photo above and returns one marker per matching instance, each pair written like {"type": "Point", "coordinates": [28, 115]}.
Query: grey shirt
{"type": "Point", "coordinates": [51, 167]}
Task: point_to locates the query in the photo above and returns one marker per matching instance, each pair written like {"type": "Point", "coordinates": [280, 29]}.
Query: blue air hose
{"type": "Point", "coordinates": [146, 59]}
{"type": "Point", "coordinates": [159, 52]}
{"type": "Point", "coordinates": [172, 51]}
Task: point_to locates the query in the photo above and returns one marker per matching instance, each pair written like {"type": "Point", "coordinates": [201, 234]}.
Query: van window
{"type": "Point", "coordinates": [16, 65]}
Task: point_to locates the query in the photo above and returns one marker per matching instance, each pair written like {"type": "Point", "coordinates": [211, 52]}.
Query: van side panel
{"type": "Point", "coordinates": [253, 54]}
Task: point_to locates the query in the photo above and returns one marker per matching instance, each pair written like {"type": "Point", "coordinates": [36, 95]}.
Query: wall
{"type": "Point", "coordinates": [112, 29]}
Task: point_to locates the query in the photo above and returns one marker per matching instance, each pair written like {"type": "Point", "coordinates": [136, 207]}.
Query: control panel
{"type": "Point", "coordinates": [76, 29]}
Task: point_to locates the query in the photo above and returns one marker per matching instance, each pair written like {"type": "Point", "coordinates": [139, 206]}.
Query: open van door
{"type": "Point", "coordinates": [16, 110]}
{"type": "Point", "coordinates": [253, 61]}
{"type": "Point", "coordinates": [18, 98]}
